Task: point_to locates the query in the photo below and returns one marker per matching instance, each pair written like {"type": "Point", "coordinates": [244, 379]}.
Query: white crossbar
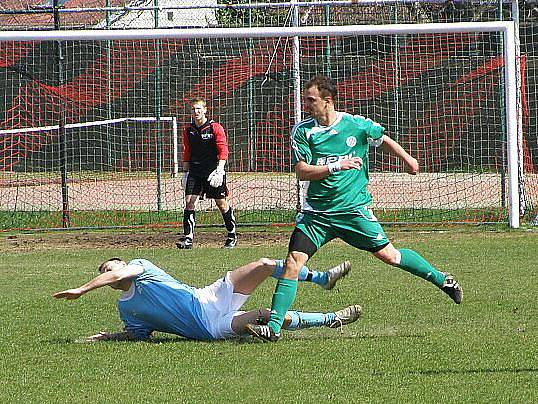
{"type": "Point", "coordinates": [176, 33]}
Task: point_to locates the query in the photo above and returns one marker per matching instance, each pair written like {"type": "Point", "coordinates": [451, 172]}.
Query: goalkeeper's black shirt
{"type": "Point", "coordinates": [204, 146]}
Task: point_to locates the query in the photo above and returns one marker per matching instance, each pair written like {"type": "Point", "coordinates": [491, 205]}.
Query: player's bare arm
{"type": "Point", "coordinates": [309, 172]}
{"type": "Point", "coordinates": [391, 146]}
{"type": "Point", "coordinates": [112, 278]}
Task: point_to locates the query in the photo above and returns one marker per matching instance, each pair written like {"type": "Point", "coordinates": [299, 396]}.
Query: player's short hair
{"type": "Point", "coordinates": [325, 85]}
{"type": "Point", "coordinates": [199, 101]}
{"type": "Point", "coordinates": [104, 266]}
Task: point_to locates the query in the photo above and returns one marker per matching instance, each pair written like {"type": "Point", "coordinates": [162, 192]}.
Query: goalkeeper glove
{"type": "Point", "coordinates": [216, 178]}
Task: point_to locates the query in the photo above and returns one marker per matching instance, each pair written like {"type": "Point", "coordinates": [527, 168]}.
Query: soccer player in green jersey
{"type": "Point", "coordinates": [331, 155]}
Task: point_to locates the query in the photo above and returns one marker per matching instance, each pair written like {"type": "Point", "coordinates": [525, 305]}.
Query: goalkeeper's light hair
{"type": "Point", "coordinates": [325, 85]}
{"type": "Point", "coordinates": [199, 101]}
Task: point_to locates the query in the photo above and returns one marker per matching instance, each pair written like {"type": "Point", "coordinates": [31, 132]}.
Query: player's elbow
{"type": "Point", "coordinates": [413, 167]}
{"type": "Point", "coordinates": [301, 171]}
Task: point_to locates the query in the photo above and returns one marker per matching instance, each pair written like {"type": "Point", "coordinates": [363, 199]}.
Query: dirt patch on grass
{"type": "Point", "coordinates": [129, 239]}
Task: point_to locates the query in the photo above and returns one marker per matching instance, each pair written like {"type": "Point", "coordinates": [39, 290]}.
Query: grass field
{"type": "Point", "coordinates": [412, 344]}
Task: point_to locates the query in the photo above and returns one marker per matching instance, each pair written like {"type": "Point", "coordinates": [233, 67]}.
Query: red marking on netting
{"type": "Point", "coordinates": [281, 224]}
{"type": "Point", "coordinates": [39, 100]}
{"type": "Point", "coordinates": [220, 83]}
{"type": "Point", "coordinates": [442, 127]}
{"type": "Point", "coordinates": [12, 52]}
{"type": "Point", "coordinates": [528, 165]}
{"type": "Point", "coordinates": [103, 81]}
{"type": "Point", "coordinates": [235, 73]}
{"type": "Point", "coordinates": [490, 65]}
{"type": "Point", "coordinates": [272, 148]}
{"type": "Point", "coordinates": [128, 65]}
{"type": "Point", "coordinates": [421, 54]}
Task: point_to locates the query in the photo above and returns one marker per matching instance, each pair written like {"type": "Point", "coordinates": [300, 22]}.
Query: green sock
{"type": "Point", "coordinates": [283, 298]}
{"type": "Point", "coordinates": [413, 263]}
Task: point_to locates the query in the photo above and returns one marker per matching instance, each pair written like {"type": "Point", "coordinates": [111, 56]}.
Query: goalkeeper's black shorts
{"type": "Point", "coordinates": [198, 185]}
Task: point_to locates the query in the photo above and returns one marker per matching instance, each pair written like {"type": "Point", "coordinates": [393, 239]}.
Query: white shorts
{"type": "Point", "coordinates": [220, 305]}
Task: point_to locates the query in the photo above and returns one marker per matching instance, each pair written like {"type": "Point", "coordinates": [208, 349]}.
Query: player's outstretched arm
{"type": "Point", "coordinates": [69, 294]}
{"type": "Point", "coordinates": [104, 279]}
{"type": "Point", "coordinates": [309, 172]}
{"type": "Point", "coordinates": [391, 146]}
{"type": "Point", "coordinates": [98, 282]}
{"type": "Point", "coordinates": [111, 336]}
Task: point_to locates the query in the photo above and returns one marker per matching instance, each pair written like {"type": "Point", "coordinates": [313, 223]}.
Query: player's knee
{"type": "Point", "coordinates": [388, 257]}
{"type": "Point", "coordinates": [222, 205]}
{"type": "Point", "coordinates": [292, 266]}
{"type": "Point", "coordinates": [388, 254]}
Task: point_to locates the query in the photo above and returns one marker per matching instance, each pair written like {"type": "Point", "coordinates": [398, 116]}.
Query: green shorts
{"type": "Point", "coordinates": [359, 229]}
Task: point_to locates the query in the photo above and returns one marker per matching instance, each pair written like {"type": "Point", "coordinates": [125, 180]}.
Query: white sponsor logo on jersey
{"type": "Point", "coordinates": [332, 159]}
{"type": "Point", "coordinates": [351, 141]}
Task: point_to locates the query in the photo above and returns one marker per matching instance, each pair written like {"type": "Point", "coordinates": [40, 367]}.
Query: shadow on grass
{"type": "Point", "coordinates": [289, 336]}
{"type": "Point", "coordinates": [472, 371]}
{"type": "Point", "coordinates": [157, 340]}
{"type": "Point", "coordinates": [306, 336]}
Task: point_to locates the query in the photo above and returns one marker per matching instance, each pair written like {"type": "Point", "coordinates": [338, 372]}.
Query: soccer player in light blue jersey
{"type": "Point", "coordinates": [330, 150]}
{"type": "Point", "coordinates": [152, 300]}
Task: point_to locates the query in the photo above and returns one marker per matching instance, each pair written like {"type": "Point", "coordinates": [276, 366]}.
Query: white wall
{"type": "Point", "coordinates": [203, 17]}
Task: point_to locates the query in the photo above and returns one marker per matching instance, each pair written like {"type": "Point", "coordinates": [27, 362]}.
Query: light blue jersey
{"type": "Point", "coordinates": [158, 302]}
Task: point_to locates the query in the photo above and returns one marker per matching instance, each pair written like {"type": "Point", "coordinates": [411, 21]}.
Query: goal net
{"type": "Point", "coordinates": [112, 171]}
{"type": "Point", "coordinates": [445, 92]}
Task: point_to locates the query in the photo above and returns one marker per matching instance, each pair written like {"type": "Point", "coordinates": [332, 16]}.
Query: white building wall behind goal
{"type": "Point", "coordinates": [167, 18]}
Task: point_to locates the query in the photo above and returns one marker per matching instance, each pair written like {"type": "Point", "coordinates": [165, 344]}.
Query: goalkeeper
{"type": "Point", "coordinates": [152, 300]}
{"type": "Point", "coordinates": [331, 152]}
{"type": "Point", "coordinates": [205, 152]}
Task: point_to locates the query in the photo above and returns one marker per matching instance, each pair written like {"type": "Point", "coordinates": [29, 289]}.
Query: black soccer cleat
{"type": "Point", "coordinates": [231, 241]}
{"type": "Point", "coordinates": [185, 243]}
{"type": "Point", "coordinates": [452, 288]}
{"type": "Point", "coordinates": [262, 332]}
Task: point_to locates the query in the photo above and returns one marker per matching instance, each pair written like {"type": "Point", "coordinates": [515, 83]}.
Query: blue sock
{"type": "Point", "coordinates": [295, 320]}
{"type": "Point", "coordinates": [305, 274]}
{"type": "Point", "coordinates": [300, 320]}
{"type": "Point", "coordinates": [320, 278]}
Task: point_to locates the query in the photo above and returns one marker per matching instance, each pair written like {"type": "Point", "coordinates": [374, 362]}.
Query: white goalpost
{"type": "Point", "coordinates": [504, 29]}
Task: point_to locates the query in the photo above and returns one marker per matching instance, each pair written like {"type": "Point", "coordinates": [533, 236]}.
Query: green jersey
{"type": "Point", "coordinates": [349, 136]}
